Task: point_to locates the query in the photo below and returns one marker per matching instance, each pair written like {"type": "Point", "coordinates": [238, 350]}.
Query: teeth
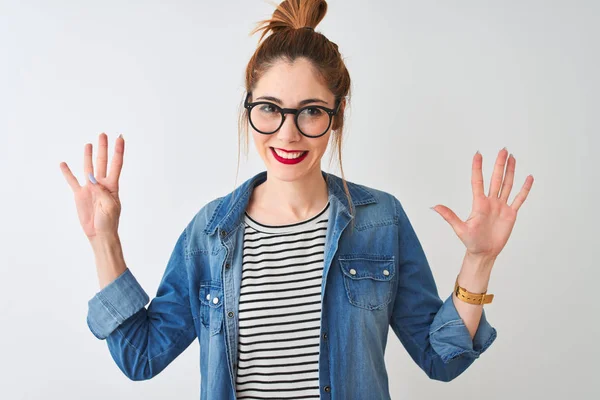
{"type": "Point", "coordinates": [284, 154]}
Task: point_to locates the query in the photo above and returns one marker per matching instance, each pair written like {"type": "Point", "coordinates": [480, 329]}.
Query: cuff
{"type": "Point", "coordinates": [116, 302]}
{"type": "Point", "coordinates": [450, 338]}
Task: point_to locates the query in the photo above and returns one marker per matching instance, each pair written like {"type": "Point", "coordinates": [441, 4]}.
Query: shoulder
{"type": "Point", "coordinates": [382, 197]}
{"type": "Point", "coordinates": [373, 206]}
{"type": "Point", "coordinates": [205, 215]}
{"type": "Point", "coordinates": [195, 231]}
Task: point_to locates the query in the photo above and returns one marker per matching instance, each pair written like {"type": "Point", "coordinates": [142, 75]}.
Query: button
{"type": "Point", "coordinates": [327, 389]}
{"type": "Point", "coordinates": [386, 272]}
{"type": "Point", "coordinates": [230, 314]}
{"type": "Point", "coordinates": [208, 296]}
{"type": "Point", "coordinates": [352, 271]}
{"type": "Point", "coordinates": [325, 335]}
{"type": "Point", "coordinates": [216, 300]}
{"type": "Point", "coordinates": [223, 233]}
{"type": "Point", "coordinates": [227, 265]}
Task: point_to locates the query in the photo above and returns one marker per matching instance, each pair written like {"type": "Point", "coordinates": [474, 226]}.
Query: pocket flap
{"type": "Point", "coordinates": [372, 266]}
{"type": "Point", "coordinates": [211, 294]}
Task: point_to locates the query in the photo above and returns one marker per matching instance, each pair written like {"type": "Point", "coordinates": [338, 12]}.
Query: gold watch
{"type": "Point", "coordinates": [472, 298]}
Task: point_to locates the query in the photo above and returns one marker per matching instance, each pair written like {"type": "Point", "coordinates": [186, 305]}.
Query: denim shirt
{"type": "Point", "coordinates": [375, 275]}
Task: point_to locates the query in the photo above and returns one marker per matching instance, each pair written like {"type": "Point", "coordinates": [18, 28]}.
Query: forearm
{"type": "Point", "coordinates": [108, 255]}
{"type": "Point", "coordinates": [474, 276]}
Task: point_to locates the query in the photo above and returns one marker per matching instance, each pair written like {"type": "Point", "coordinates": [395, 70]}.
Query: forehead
{"type": "Point", "coordinates": [292, 82]}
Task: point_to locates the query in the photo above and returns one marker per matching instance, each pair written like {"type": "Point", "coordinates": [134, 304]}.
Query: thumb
{"type": "Point", "coordinates": [97, 187]}
{"type": "Point", "coordinates": [108, 201]}
{"type": "Point", "coordinates": [450, 217]}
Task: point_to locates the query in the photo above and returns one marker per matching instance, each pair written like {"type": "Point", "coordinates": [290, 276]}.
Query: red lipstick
{"type": "Point", "coordinates": [288, 160]}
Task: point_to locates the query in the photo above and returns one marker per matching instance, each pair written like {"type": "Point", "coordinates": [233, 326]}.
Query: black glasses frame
{"type": "Point", "coordinates": [295, 111]}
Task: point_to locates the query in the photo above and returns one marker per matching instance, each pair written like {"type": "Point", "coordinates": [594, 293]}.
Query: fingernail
{"type": "Point", "coordinates": [92, 179]}
{"type": "Point", "coordinates": [478, 152]}
{"type": "Point", "coordinates": [121, 136]}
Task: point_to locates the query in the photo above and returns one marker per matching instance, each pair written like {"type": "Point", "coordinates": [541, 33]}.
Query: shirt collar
{"type": "Point", "coordinates": [232, 206]}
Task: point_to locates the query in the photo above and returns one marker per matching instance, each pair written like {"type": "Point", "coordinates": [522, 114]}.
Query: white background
{"type": "Point", "coordinates": [433, 82]}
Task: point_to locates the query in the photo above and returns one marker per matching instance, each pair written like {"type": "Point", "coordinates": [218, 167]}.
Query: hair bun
{"type": "Point", "coordinates": [293, 15]}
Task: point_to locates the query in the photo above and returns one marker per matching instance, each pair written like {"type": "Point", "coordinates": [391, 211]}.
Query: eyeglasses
{"type": "Point", "coordinates": [312, 121]}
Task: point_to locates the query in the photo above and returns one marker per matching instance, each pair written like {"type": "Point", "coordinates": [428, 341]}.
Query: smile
{"type": "Point", "coordinates": [288, 157]}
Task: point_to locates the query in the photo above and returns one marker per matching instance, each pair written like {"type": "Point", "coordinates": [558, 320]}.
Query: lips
{"type": "Point", "coordinates": [288, 160]}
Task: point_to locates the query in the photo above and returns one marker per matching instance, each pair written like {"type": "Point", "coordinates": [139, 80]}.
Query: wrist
{"type": "Point", "coordinates": [479, 261]}
{"type": "Point", "coordinates": [105, 241]}
{"type": "Point", "coordinates": [108, 255]}
{"type": "Point", "coordinates": [475, 273]}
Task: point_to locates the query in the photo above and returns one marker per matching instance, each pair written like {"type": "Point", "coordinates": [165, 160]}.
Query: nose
{"type": "Point", "coordinates": [288, 131]}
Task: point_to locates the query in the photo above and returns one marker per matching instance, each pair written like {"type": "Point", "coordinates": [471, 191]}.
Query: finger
{"type": "Point", "coordinates": [520, 198]}
{"type": "Point", "coordinates": [117, 160]}
{"type": "Point", "coordinates": [71, 180]}
{"type": "Point", "coordinates": [99, 188]}
{"type": "Point", "coordinates": [88, 167]}
{"type": "Point", "coordinates": [498, 173]}
{"type": "Point", "coordinates": [101, 191]}
{"type": "Point", "coordinates": [102, 157]}
{"type": "Point", "coordinates": [508, 179]}
{"type": "Point", "coordinates": [477, 175]}
{"type": "Point", "coordinates": [451, 218]}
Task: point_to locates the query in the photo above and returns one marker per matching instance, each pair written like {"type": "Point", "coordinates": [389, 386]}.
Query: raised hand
{"type": "Point", "coordinates": [98, 204]}
{"type": "Point", "coordinates": [491, 221]}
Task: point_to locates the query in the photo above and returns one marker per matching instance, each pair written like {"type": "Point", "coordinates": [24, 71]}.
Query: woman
{"type": "Point", "coordinates": [291, 281]}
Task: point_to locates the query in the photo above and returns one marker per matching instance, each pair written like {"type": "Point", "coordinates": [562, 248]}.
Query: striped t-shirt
{"type": "Point", "coordinates": [280, 309]}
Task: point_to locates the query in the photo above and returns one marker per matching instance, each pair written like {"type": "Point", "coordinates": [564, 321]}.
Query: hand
{"type": "Point", "coordinates": [488, 228]}
{"type": "Point", "coordinates": [98, 205]}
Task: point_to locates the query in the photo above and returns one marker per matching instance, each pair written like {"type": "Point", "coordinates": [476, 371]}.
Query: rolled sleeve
{"type": "Point", "coordinates": [114, 304]}
{"type": "Point", "coordinates": [450, 337]}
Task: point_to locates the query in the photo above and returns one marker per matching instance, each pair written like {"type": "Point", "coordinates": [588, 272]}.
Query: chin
{"type": "Point", "coordinates": [289, 173]}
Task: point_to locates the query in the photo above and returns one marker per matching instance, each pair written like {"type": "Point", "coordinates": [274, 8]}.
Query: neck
{"type": "Point", "coordinates": [299, 198]}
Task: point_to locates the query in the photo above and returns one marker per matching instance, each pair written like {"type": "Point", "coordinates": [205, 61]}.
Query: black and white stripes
{"type": "Point", "coordinates": [280, 309]}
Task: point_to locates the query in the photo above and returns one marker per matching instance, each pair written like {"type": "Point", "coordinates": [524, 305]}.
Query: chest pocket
{"type": "Point", "coordinates": [368, 279]}
{"type": "Point", "coordinates": [211, 306]}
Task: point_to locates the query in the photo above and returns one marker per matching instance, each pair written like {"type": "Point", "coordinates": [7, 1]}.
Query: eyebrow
{"type": "Point", "coordinates": [303, 102]}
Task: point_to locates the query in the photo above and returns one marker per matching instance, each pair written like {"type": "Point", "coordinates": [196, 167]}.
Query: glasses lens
{"type": "Point", "coordinates": [265, 118]}
{"type": "Point", "coordinates": [312, 121]}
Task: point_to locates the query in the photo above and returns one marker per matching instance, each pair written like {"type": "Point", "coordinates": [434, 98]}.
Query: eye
{"type": "Point", "coordinates": [313, 111]}
{"type": "Point", "coordinates": [267, 108]}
